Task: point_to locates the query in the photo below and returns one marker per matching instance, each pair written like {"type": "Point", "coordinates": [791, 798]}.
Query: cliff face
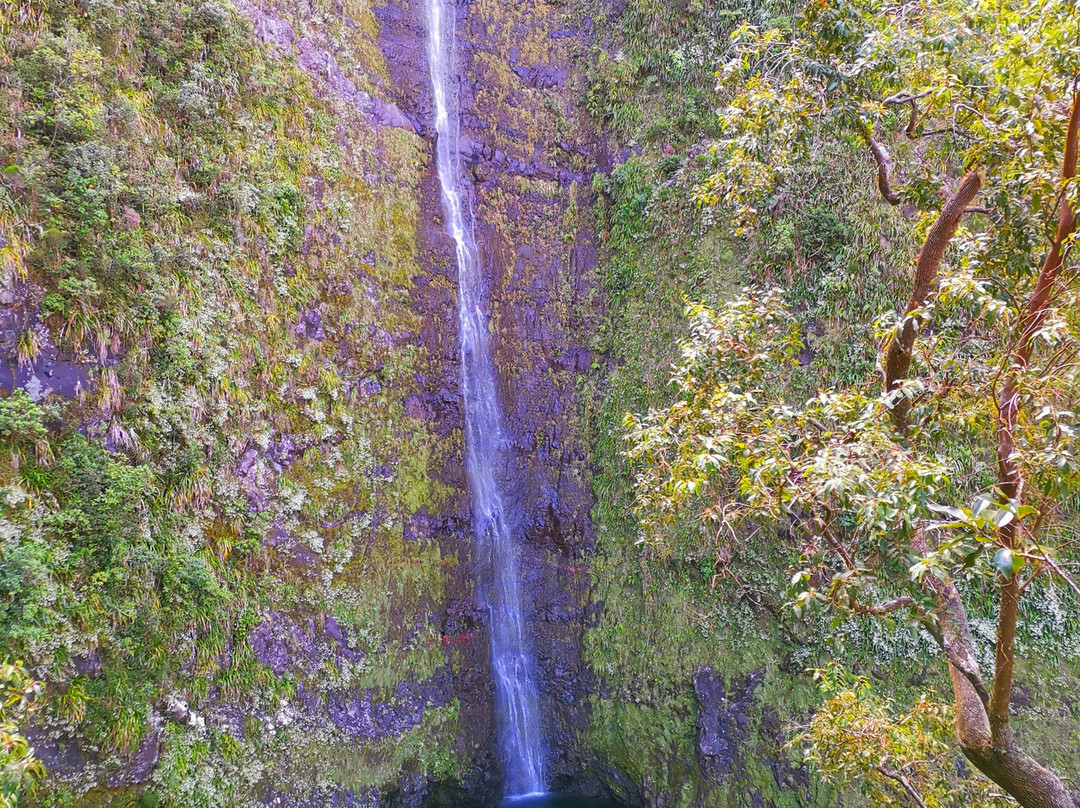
{"type": "Point", "coordinates": [235, 537]}
{"type": "Point", "coordinates": [237, 532]}
{"type": "Point", "coordinates": [530, 153]}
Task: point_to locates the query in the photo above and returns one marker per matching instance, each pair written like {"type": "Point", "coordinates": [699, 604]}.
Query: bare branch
{"type": "Point", "coordinates": [904, 97]}
{"type": "Point", "coordinates": [945, 130]}
{"type": "Point", "coordinates": [887, 607]}
{"type": "Point", "coordinates": [911, 791]}
{"type": "Point", "coordinates": [1053, 565]}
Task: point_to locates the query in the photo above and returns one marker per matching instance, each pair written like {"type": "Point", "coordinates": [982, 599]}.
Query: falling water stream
{"type": "Point", "coordinates": [515, 689]}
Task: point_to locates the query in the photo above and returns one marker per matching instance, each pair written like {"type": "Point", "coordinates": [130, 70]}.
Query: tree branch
{"type": "Point", "coordinates": [1010, 475]}
{"type": "Point", "coordinates": [898, 353]}
{"type": "Point", "coordinates": [884, 164]}
{"type": "Point", "coordinates": [906, 97]}
{"type": "Point", "coordinates": [1055, 568]}
{"type": "Point", "coordinates": [911, 791]}
{"type": "Point", "coordinates": [954, 632]}
{"type": "Point", "coordinates": [887, 607]}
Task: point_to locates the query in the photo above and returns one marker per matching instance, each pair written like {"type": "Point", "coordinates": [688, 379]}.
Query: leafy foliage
{"type": "Point", "coordinates": [968, 84]}
{"type": "Point", "coordinates": [20, 771]}
{"type": "Point", "coordinates": [832, 466]}
{"type": "Point", "coordinates": [897, 757]}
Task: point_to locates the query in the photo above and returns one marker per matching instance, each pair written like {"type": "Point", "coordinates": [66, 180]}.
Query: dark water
{"type": "Point", "coordinates": [555, 800]}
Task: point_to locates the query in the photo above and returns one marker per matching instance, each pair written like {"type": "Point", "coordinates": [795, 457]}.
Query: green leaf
{"type": "Point", "coordinates": [955, 513]}
{"type": "Point", "coordinates": [1007, 562]}
{"type": "Point", "coordinates": [981, 503]}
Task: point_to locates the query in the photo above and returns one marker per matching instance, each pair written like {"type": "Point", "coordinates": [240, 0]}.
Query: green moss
{"type": "Point", "coordinates": [327, 763]}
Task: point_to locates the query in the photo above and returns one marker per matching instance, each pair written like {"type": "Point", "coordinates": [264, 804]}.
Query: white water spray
{"type": "Point", "coordinates": [515, 690]}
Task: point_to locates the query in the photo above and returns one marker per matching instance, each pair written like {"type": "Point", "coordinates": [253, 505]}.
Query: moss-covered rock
{"type": "Point", "coordinates": [221, 542]}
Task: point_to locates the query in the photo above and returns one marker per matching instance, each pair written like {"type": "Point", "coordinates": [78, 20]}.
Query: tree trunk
{"type": "Point", "coordinates": [996, 755]}
{"type": "Point", "coordinates": [982, 714]}
{"type": "Point", "coordinates": [999, 758]}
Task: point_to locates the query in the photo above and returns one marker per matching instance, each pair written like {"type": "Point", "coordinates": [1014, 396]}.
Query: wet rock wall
{"type": "Point", "coordinates": [320, 404]}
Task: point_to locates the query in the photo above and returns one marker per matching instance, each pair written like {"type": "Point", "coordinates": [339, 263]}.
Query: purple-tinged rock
{"type": "Point", "coordinates": [138, 768]}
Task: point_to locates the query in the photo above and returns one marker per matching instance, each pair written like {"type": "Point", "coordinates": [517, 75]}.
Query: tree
{"type": "Point", "coordinates": [19, 769]}
{"type": "Point", "coordinates": [978, 374]}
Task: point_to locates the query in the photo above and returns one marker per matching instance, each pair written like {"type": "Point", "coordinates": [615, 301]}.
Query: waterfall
{"type": "Point", "coordinates": [517, 715]}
